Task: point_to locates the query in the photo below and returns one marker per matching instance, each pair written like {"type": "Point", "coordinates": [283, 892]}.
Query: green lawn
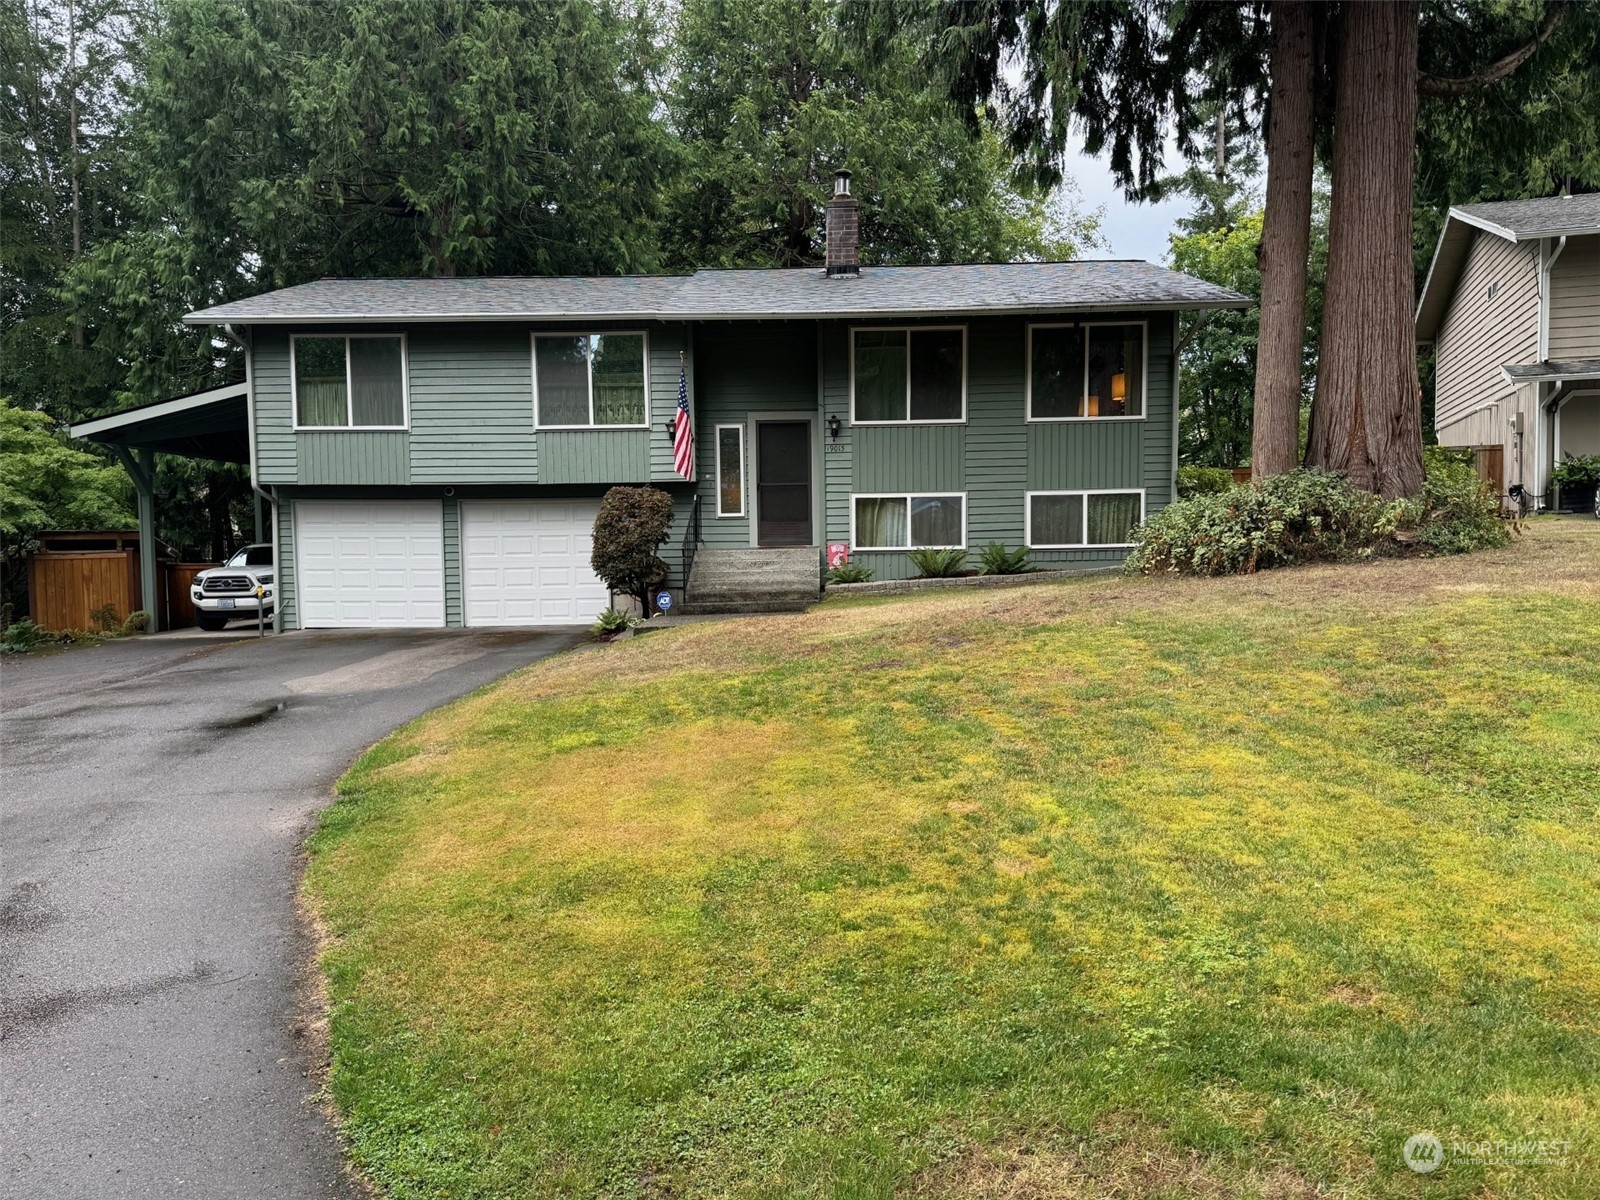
{"type": "Point", "coordinates": [1116, 888]}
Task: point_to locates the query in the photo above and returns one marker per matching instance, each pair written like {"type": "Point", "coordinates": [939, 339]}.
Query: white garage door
{"type": "Point", "coordinates": [373, 564]}
{"type": "Point", "coordinates": [526, 562]}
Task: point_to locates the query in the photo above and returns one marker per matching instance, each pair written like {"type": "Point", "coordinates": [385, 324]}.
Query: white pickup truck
{"type": "Point", "coordinates": [222, 593]}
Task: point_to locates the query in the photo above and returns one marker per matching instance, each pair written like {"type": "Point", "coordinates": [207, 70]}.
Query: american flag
{"type": "Point", "coordinates": [683, 430]}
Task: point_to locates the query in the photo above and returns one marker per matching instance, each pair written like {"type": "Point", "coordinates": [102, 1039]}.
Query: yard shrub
{"type": "Point", "coordinates": [1203, 481]}
{"type": "Point", "coordinates": [21, 636]}
{"type": "Point", "coordinates": [1455, 513]}
{"type": "Point", "coordinates": [1298, 517]}
{"type": "Point", "coordinates": [630, 528]}
{"type": "Point", "coordinates": [996, 559]}
{"type": "Point", "coordinates": [850, 573]}
{"type": "Point", "coordinates": [1310, 516]}
{"type": "Point", "coordinates": [939, 564]}
{"type": "Point", "coordinates": [137, 622]}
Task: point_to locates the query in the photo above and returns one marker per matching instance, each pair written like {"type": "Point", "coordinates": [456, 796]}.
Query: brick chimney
{"type": "Point", "coordinates": [844, 230]}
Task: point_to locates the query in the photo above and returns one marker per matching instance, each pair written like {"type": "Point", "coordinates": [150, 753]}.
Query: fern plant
{"type": "Point", "coordinates": [995, 559]}
{"type": "Point", "coordinates": [939, 564]}
{"type": "Point", "coordinates": [614, 621]}
{"type": "Point", "coordinates": [850, 573]}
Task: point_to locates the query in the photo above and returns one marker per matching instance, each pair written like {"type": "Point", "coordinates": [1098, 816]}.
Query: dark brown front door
{"type": "Point", "coordinates": [783, 483]}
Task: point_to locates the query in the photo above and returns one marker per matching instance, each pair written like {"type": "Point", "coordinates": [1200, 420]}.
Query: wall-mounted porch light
{"type": "Point", "coordinates": [833, 427]}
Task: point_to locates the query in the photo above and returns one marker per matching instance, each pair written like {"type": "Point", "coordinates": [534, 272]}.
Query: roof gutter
{"type": "Point", "coordinates": [320, 319]}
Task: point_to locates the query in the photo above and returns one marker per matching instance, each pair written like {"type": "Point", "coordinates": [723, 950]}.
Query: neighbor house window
{"type": "Point", "coordinates": [1074, 520]}
{"type": "Point", "coordinates": [589, 380]}
{"type": "Point", "coordinates": [730, 470]}
{"type": "Point", "coordinates": [1080, 372]}
{"type": "Point", "coordinates": [355, 382]}
{"type": "Point", "coordinates": [908, 375]}
{"type": "Point", "coordinates": [909, 522]}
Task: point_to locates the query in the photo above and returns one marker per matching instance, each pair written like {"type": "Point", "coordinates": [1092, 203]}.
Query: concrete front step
{"type": "Point", "coordinates": [756, 580]}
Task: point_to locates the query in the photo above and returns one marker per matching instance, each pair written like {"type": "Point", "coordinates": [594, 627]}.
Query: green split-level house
{"type": "Point", "coordinates": [432, 452]}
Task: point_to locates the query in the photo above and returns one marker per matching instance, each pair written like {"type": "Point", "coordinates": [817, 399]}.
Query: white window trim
{"type": "Point", "coordinates": [1027, 512]}
{"type": "Point", "coordinates": [533, 358]}
{"type": "Point", "coordinates": [716, 482]}
{"type": "Point", "coordinates": [907, 497]}
{"type": "Point", "coordinates": [349, 385]}
{"type": "Point", "coordinates": [908, 330]}
{"type": "Point", "coordinates": [1027, 371]}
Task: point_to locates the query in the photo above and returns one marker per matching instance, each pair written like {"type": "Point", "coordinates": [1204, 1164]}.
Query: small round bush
{"type": "Point", "coordinates": [632, 524]}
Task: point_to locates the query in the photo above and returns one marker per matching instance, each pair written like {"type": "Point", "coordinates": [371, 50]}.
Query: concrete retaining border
{"type": "Point", "coordinates": [895, 587]}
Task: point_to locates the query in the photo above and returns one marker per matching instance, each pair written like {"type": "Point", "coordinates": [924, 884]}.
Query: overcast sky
{"type": "Point", "coordinates": [1133, 230]}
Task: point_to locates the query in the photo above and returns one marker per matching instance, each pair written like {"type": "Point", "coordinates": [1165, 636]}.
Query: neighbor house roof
{"type": "Point", "coordinates": [1557, 369]}
{"type": "Point", "coordinates": [799, 292]}
{"type": "Point", "coordinates": [1513, 220]}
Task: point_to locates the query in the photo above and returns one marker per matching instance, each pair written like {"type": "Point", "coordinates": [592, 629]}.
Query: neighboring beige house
{"type": "Point", "coordinates": [1512, 308]}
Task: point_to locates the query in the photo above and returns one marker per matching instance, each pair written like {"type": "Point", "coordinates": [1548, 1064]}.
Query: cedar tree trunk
{"type": "Point", "coordinates": [1367, 416]}
{"type": "Point", "coordinates": [1285, 245]}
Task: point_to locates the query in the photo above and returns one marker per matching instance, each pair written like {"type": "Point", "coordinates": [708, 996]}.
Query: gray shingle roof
{"type": "Point", "coordinates": [1520, 220]}
{"type": "Point", "coordinates": [802, 292]}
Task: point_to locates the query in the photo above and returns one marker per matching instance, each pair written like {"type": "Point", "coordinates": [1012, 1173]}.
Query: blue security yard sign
{"type": "Point", "coordinates": [664, 601]}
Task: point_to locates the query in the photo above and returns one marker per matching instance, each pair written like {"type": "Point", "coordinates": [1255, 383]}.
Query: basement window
{"type": "Point", "coordinates": [908, 522]}
{"type": "Point", "coordinates": [589, 381]}
{"type": "Point", "coordinates": [1094, 371]}
{"type": "Point", "coordinates": [1082, 520]}
{"type": "Point", "coordinates": [349, 382]}
{"type": "Point", "coordinates": [908, 376]}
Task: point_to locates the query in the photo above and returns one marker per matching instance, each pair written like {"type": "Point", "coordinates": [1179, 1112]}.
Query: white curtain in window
{"type": "Point", "coordinates": [881, 521]}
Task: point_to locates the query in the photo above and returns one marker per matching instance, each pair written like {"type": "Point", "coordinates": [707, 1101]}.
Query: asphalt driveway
{"type": "Point", "coordinates": [156, 793]}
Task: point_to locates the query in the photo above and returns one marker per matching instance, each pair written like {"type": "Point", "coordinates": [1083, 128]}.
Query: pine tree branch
{"type": "Point", "coordinates": [1464, 85]}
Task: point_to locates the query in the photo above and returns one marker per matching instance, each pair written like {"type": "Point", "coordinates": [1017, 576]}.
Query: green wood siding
{"type": "Point", "coordinates": [381, 459]}
{"type": "Point", "coordinates": [470, 394]}
{"type": "Point", "coordinates": [274, 413]}
{"type": "Point", "coordinates": [452, 565]}
{"type": "Point", "coordinates": [472, 405]}
{"type": "Point", "coordinates": [997, 455]}
{"type": "Point", "coordinates": [740, 368]}
{"type": "Point", "coordinates": [926, 458]}
{"type": "Point", "coordinates": [283, 566]}
{"type": "Point", "coordinates": [582, 456]}
{"type": "Point", "coordinates": [665, 343]}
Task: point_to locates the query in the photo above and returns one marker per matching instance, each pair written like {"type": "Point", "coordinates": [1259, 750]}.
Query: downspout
{"type": "Point", "coordinates": [260, 493]}
{"type": "Point", "coordinates": [1541, 473]}
{"type": "Point", "coordinates": [1177, 384]}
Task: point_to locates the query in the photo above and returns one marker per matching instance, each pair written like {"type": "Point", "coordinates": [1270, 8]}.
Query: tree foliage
{"type": "Point", "coordinates": [770, 97]}
{"type": "Point", "coordinates": [47, 483]}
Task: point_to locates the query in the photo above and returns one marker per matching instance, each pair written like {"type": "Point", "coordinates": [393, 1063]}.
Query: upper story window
{"type": "Point", "coordinates": [908, 376]}
{"type": "Point", "coordinates": [1083, 372]}
{"type": "Point", "coordinates": [355, 381]}
{"type": "Point", "coordinates": [589, 381]}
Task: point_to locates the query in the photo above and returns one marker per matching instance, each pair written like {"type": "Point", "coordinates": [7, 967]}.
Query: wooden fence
{"type": "Point", "coordinates": [176, 579]}
{"type": "Point", "coordinates": [67, 588]}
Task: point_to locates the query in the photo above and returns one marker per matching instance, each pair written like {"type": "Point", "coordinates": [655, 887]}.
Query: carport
{"type": "Point", "coordinates": [212, 425]}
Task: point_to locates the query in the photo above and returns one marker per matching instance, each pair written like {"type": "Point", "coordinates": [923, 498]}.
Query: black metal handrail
{"type": "Point", "coordinates": [691, 542]}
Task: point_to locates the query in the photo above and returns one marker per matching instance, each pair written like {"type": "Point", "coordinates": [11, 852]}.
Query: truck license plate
{"type": "Point", "coordinates": [228, 603]}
